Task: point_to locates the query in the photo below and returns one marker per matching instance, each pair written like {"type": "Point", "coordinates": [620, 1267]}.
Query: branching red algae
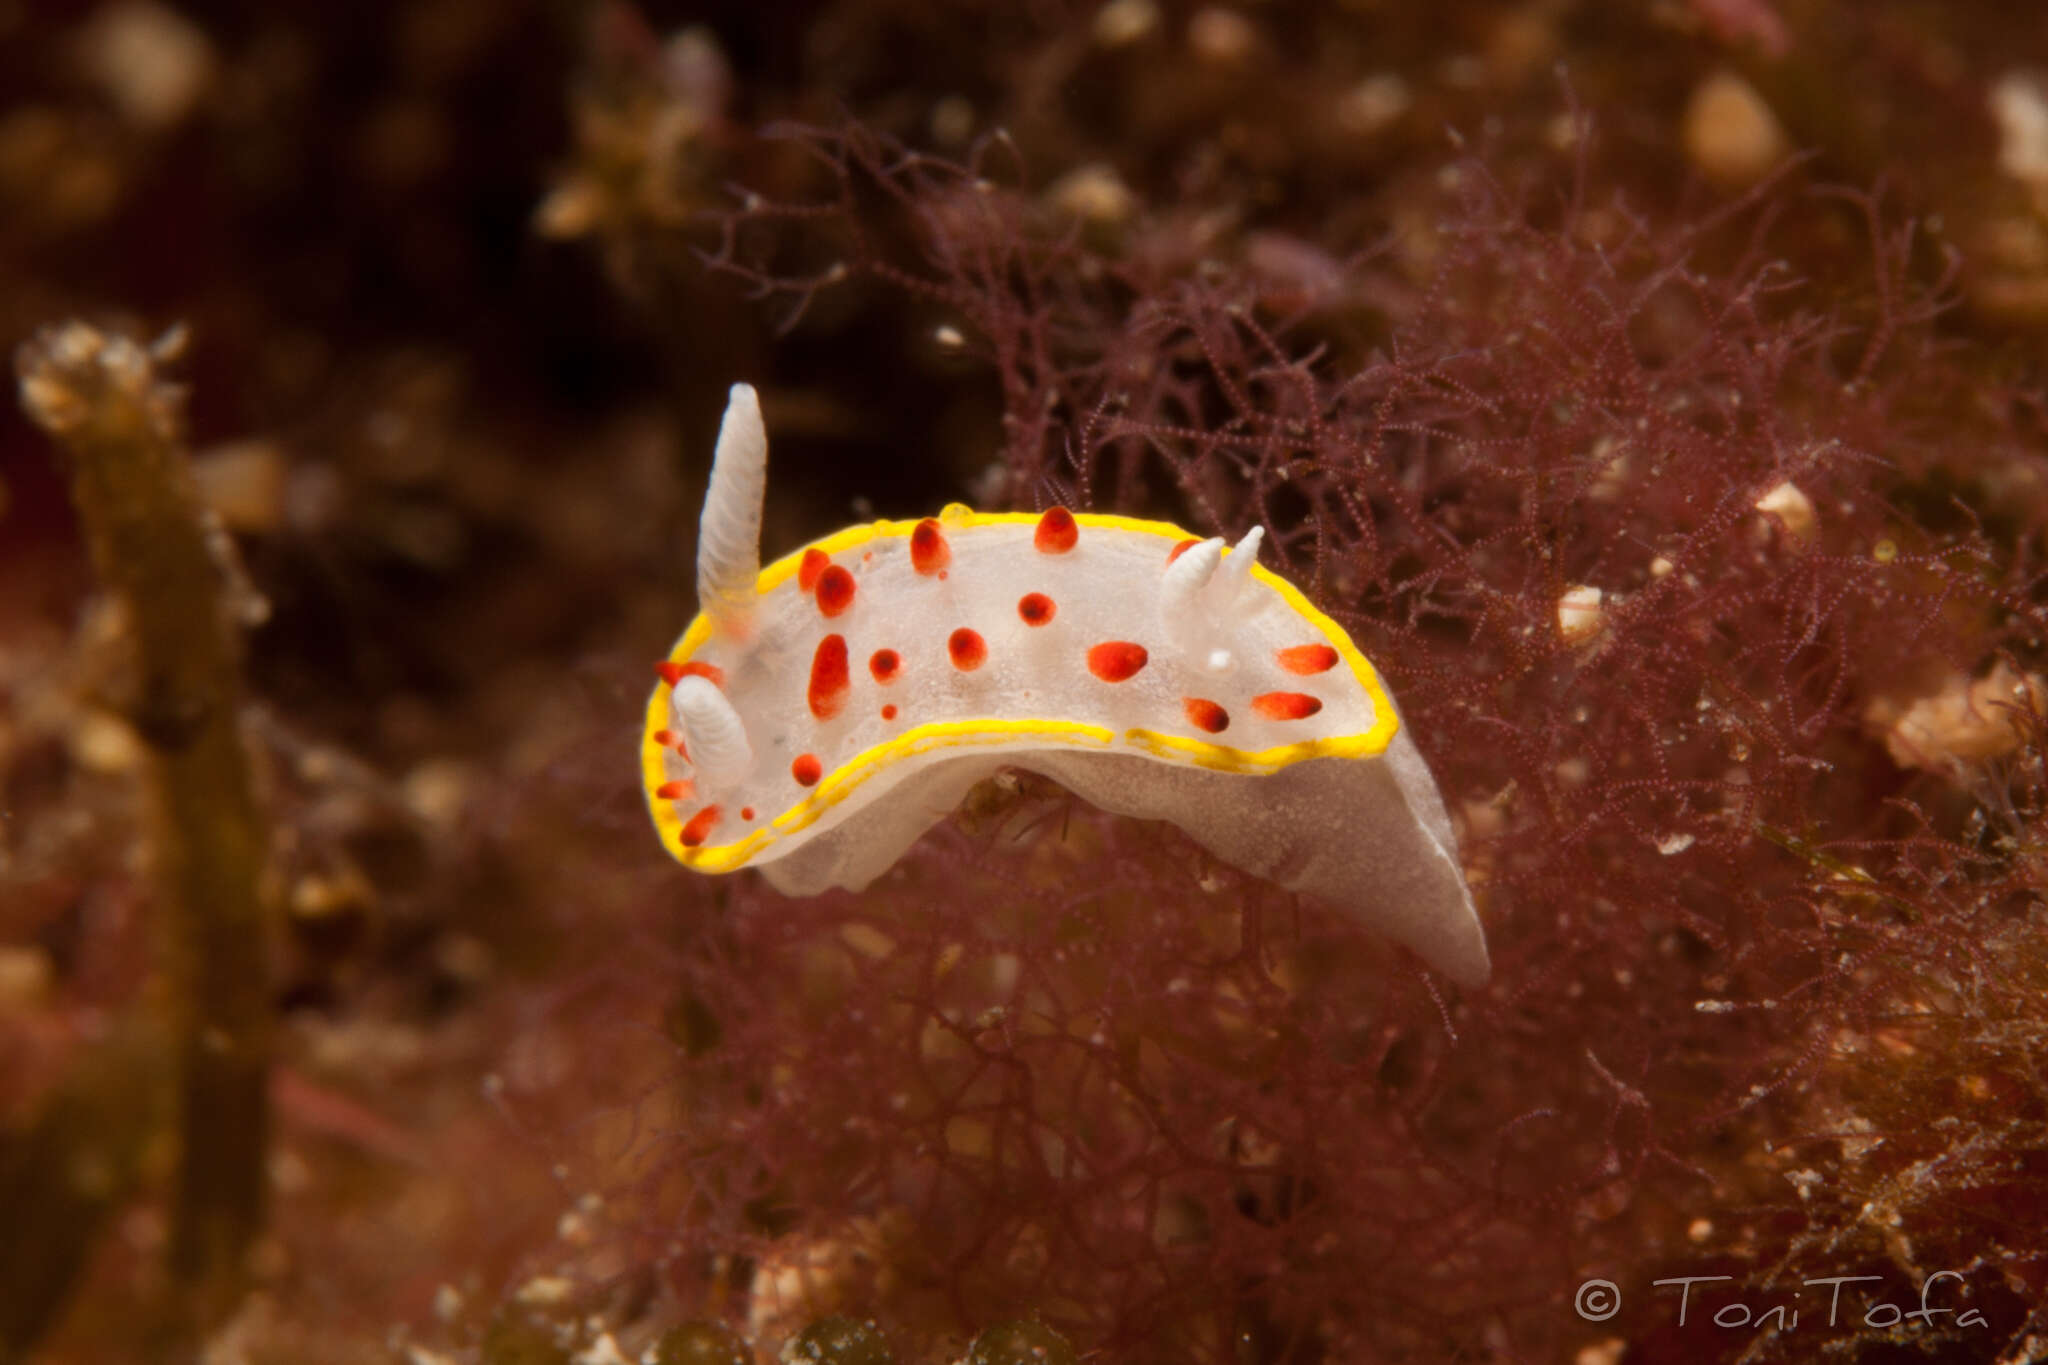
{"type": "Point", "coordinates": [101, 397]}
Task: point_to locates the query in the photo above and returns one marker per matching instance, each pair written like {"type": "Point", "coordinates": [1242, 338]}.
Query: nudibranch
{"type": "Point", "coordinates": [822, 713]}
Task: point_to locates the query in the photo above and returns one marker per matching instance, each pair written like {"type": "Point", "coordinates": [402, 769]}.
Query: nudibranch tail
{"type": "Point", "coordinates": [729, 533]}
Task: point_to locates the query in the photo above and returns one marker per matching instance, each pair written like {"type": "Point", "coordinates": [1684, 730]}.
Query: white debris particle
{"type": "Point", "coordinates": [574, 1228]}
{"type": "Point", "coordinates": [1961, 721]}
{"type": "Point", "coordinates": [1579, 612]}
{"type": "Point", "coordinates": [1731, 136]}
{"type": "Point", "coordinates": [603, 1351]}
{"type": "Point", "coordinates": [25, 976]}
{"type": "Point", "coordinates": [152, 61]}
{"type": "Point", "coordinates": [1125, 21]}
{"type": "Point", "coordinates": [952, 121]}
{"type": "Point", "coordinates": [1373, 104]}
{"type": "Point", "coordinates": [544, 1290]}
{"type": "Point", "coordinates": [103, 743]}
{"type": "Point", "coordinates": [2019, 105]}
{"type": "Point", "coordinates": [1792, 508]}
{"type": "Point", "coordinates": [1221, 37]}
{"type": "Point", "coordinates": [1094, 193]}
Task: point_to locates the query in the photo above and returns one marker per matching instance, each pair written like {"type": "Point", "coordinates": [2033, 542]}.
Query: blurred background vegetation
{"type": "Point", "coordinates": [369, 360]}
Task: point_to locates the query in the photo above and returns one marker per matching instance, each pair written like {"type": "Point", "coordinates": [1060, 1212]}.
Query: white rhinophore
{"type": "Point", "coordinates": [1200, 595]}
{"type": "Point", "coordinates": [716, 735]}
{"type": "Point", "coordinates": [1228, 589]}
{"type": "Point", "coordinates": [729, 533]}
{"type": "Point", "coordinates": [1183, 615]}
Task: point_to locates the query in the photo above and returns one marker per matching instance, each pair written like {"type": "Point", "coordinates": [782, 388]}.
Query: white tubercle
{"type": "Point", "coordinates": [729, 533]}
{"type": "Point", "coordinates": [716, 735]}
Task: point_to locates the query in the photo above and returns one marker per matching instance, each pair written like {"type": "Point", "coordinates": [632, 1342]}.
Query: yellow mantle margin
{"type": "Point", "coordinates": [844, 780]}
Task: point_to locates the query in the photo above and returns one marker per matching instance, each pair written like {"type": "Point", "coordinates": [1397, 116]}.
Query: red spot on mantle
{"type": "Point", "coordinates": [673, 673]}
{"type": "Point", "coordinates": [967, 649]}
{"type": "Point", "coordinates": [884, 664]}
{"type": "Point", "coordinates": [1036, 608]}
{"type": "Point", "coordinates": [929, 552]}
{"type": "Point", "coordinates": [1116, 661]}
{"type": "Point", "coordinates": [1204, 714]}
{"type": "Point", "coordinates": [1285, 705]}
{"type": "Point", "coordinates": [1306, 659]}
{"type": "Point", "coordinates": [835, 590]}
{"type": "Point", "coordinates": [699, 827]}
{"type": "Point", "coordinates": [813, 564]}
{"type": "Point", "coordinates": [1056, 533]}
{"type": "Point", "coordinates": [829, 679]}
{"type": "Point", "coordinates": [675, 791]}
{"type": "Point", "coordinates": [806, 769]}
{"type": "Point", "coordinates": [889, 711]}
{"type": "Point", "coordinates": [1177, 551]}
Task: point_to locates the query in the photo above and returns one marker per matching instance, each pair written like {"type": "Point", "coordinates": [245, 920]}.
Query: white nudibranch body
{"type": "Point", "coordinates": [818, 722]}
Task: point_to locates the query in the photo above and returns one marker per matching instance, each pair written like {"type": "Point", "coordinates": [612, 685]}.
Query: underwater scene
{"type": "Point", "coordinates": [1248, 682]}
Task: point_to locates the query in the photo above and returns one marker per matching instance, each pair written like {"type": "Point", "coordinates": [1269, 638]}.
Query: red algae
{"type": "Point", "coordinates": [1698, 532]}
{"type": "Point", "coordinates": [1693, 860]}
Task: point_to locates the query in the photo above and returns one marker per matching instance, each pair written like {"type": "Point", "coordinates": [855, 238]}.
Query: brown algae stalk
{"type": "Point", "coordinates": [71, 1171]}
{"type": "Point", "coordinates": [100, 395]}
